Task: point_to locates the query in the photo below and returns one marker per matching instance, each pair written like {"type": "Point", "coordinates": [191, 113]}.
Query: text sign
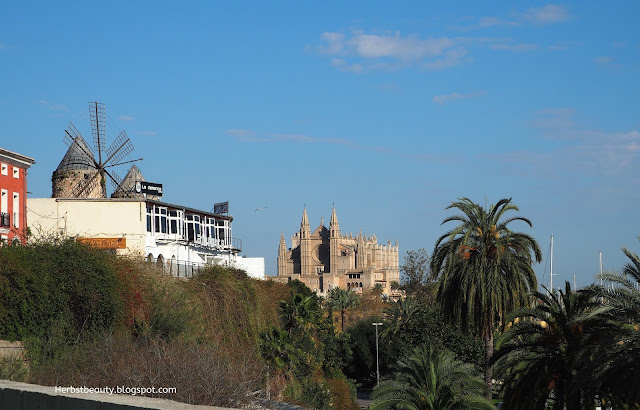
{"type": "Point", "coordinates": [105, 243]}
{"type": "Point", "coordinates": [149, 188]}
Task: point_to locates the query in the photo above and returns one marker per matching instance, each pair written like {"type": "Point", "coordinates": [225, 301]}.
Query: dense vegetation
{"type": "Point", "coordinates": [90, 318]}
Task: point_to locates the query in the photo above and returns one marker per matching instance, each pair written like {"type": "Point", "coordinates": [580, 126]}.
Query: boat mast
{"type": "Point", "coordinates": [600, 268]}
{"type": "Point", "coordinates": [551, 272]}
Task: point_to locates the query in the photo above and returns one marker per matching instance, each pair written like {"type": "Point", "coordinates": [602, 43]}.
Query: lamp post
{"type": "Point", "coordinates": [377, 359]}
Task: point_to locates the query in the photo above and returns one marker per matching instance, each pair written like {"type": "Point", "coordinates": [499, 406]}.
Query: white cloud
{"type": "Point", "coordinates": [404, 48]}
{"type": "Point", "coordinates": [554, 118]}
{"type": "Point", "coordinates": [291, 137]}
{"type": "Point", "coordinates": [452, 58]}
{"type": "Point", "coordinates": [442, 99]}
{"type": "Point", "coordinates": [335, 42]}
{"type": "Point", "coordinates": [362, 51]}
{"type": "Point", "coordinates": [578, 152]}
{"type": "Point", "coordinates": [240, 133]}
{"type": "Point", "coordinates": [342, 65]}
{"type": "Point", "coordinates": [603, 60]}
{"type": "Point", "coordinates": [563, 45]}
{"type": "Point", "coordinates": [54, 107]}
{"type": "Point", "coordinates": [514, 47]}
{"type": "Point", "coordinates": [551, 13]}
{"type": "Point", "coordinates": [126, 118]}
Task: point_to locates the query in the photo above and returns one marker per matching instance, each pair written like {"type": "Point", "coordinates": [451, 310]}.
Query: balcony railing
{"type": "Point", "coordinates": [5, 220]}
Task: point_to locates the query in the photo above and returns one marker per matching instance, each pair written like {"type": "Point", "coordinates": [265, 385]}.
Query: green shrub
{"type": "Point", "coordinates": [54, 294]}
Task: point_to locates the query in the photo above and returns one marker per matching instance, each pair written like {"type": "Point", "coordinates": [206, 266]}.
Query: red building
{"type": "Point", "coordinates": [13, 195]}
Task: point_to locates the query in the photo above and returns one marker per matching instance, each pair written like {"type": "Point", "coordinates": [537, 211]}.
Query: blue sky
{"type": "Point", "coordinates": [390, 112]}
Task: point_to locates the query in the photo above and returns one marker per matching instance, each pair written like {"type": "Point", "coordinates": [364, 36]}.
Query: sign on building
{"type": "Point", "coordinates": [105, 243]}
{"type": "Point", "coordinates": [149, 188]}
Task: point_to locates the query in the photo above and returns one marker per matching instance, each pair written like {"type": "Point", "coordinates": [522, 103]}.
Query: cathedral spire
{"type": "Point", "coordinates": [304, 225]}
{"type": "Point", "coordinates": [334, 220]}
{"type": "Point", "coordinates": [334, 226]}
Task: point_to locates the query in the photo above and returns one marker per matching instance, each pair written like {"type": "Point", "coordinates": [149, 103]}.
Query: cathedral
{"type": "Point", "coordinates": [325, 259]}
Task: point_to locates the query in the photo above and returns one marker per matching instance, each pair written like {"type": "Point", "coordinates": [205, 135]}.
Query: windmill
{"type": "Point", "coordinates": [83, 171]}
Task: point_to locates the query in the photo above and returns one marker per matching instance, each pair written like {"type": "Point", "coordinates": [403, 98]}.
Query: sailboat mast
{"type": "Point", "coordinates": [551, 272]}
{"type": "Point", "coordinates": [600, 268]}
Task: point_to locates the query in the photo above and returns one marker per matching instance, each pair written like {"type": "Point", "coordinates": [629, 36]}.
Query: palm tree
{"type": "Point", "coordinates": [540, 357]}
{"type": "Point", "coordinates": [429, 381]}
{"type": "Point", "coordinates": [342, 299]}
{"type": "Point", "coordinates": [300, 312]}
{"type": "Point", "coordinates": [615, 351]}
{"type": "Point", "coordinates": [399, 314]}
{"type": "Point", "coordinates": [484, 269]}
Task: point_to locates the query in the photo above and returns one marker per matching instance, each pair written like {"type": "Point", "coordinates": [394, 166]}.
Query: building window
{"type": "Point", "coordinates": [149, 219]}
{"type": "Point", "coordinates": [211, 229]}
{"type": "Point", "coordinates": [16, 172]}
{"type": "Point", "coordinates": [16, 210]}
{"type": "Point", "coordinates": [175, 225]}
{"type": "Point", "coordinates": [222, 226]}
{"type": "Point", "coordinates": [3, 201]}
{"type": "Point", "coordinates": [4, 169]}
{"type": "Point", "coordinates": [161, 219]}
{"type": "Point", "coordinates": [193, 227]}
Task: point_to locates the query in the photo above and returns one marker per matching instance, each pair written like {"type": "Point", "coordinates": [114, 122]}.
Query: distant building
{"type": "Point", "coordinates": [13, 194]}
{"type": "Point", "coordinates": [179, 238]}
{"type": "Point", "coordinates": [326, 259]}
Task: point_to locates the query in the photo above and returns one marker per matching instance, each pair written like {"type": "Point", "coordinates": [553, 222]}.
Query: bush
{"type": "Point", "coordinates": [54, 294]}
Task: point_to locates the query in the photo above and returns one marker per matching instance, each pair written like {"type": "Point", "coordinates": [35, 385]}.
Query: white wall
{"type": "Point", "coordinates": [253, 266]}
{"type": "Point", "coordinates": [109, 218]}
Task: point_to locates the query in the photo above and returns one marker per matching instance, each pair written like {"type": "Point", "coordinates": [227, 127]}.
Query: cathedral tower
{"type": "Point", "coordinates": [334, 242]}
{"type": "Point", "coordinates": [305, 243]}
{"type": "Point", "coordinates": [282, 255]}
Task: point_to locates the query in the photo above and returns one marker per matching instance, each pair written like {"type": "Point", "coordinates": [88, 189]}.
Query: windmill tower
{"type": "Point", "coordinates": [127, 188]}
{"type": "Point", "coordinates": [80, 174]}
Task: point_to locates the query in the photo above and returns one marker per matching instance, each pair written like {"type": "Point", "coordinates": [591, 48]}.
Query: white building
{"type": "Point", "coordinates": [182, 239]}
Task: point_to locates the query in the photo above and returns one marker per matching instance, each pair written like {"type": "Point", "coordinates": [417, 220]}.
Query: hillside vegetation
{"type": "Point", "coordinates": [91, 319]}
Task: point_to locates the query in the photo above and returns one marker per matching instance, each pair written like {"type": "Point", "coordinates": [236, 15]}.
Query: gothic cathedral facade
{"type": "Point", "coordinates": [325, 259]}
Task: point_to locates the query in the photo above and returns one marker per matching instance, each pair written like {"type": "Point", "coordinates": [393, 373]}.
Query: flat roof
{"type": "Point", "coordinates": [23, 159]}
{"type": "Point", "coordinates": [147, 200]}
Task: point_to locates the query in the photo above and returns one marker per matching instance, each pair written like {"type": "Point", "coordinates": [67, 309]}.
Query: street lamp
{"type": "Point", "coordinates": [377, 359]}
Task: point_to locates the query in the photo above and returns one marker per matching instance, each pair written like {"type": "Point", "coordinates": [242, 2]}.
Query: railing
{"type": "Point", "coordinates": [182, 269]}
{"type": "Point", "coordinates": [5, 220]}
{"type": "Point", "coordinates": [213, 243]}
{"type": "Point", "coordinates": [237, 244]}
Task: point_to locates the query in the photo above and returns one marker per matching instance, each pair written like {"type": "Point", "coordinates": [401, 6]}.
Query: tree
{"type": "Point", "coordinates": [430, 381]}
{"type": "Point", "coordinates": [299, 312]}
{"type": "Point", "coordinates": [483, 269]}
{"type": "Point", "coordinates": [415, 269]}
{"type": "Point", "coordinates": [615, 352]}
{"type": "Point", "coordinates": [342, 299]}
{"type": "Point", "coordinates": [541, 356]}
{"type": "Point", "coordinates": [399, 315]}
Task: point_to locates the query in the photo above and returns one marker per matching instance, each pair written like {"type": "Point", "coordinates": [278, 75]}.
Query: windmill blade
{"type": "Point", "coordinates": [84, 188]}
{"type": "Point", "coordinates": [116, 181]}
{"type": "Point", "coordinates": [96, 112]}
{"type": "Point", "coordinates": [119, 149]}
{"type": "Point", "coordinates": [70, 134]}
{"type": "Point", "coordinates": [73, 137]}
